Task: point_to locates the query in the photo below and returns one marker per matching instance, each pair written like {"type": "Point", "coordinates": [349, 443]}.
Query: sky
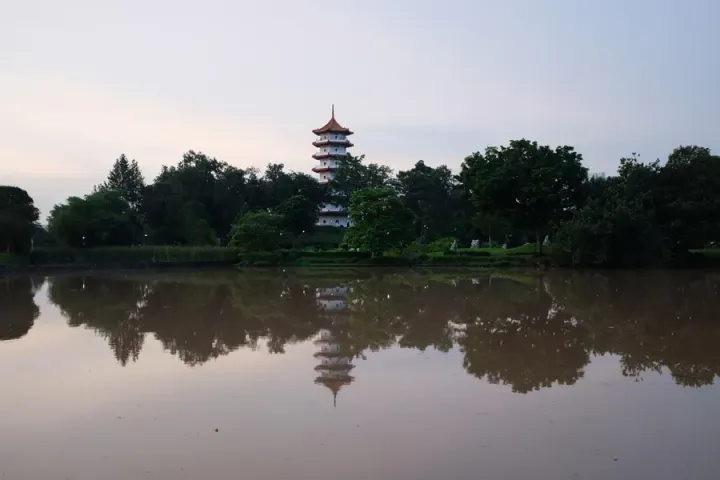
{"type": "Point", "coordinates": [82, 81]}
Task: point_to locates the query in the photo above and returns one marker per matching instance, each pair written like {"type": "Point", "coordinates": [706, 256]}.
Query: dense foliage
{"type": "Point", "coordinates": [257, 232]}
{"type": "Point", "coordinates": [17, 220]}
{"type": "Point", "coordinates": [520, 193]}
{"type": "Point", "coordinates": [380, 221]}
{"type": "Point", "coordinates": [649, 214]}
{"type": "Point", "coordinates": [533, 187]}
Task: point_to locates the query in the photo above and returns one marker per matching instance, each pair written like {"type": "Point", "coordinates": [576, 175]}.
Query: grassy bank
{"type": "Point", "coordinates": [160, 256]}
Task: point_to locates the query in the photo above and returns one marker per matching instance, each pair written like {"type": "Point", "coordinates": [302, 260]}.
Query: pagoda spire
{"type": "Point", "coordinates": [333, 111]}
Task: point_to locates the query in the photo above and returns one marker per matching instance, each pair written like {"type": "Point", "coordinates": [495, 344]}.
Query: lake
{"type": "Point", "coordinates": [362, 374]}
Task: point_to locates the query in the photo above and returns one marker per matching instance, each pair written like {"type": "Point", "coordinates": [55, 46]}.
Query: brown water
{"type": "Point", "coordinates": [360, 376]}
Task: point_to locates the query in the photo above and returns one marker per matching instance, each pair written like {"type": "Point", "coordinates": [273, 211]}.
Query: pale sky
{"type": "Point", "coordinates": [83, 81]}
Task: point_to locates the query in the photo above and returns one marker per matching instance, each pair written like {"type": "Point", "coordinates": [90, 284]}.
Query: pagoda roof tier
{"type": "Point", "coordinates": [335, 385]}
{"type": "Point", "coordinates": [340, 367]}
{"type": "Point", "coordinates": [331, 355]}
{"type": "Point", "coordinates": [324, 169]}
{"type": "Point", "coordinates": [341, 143]}
{"type": "Point", "coordinates": [322, 155]}
{"type": "Point", "coordinates": [332, 126]}
{"type": "Point", "coordinates": [337, 381]}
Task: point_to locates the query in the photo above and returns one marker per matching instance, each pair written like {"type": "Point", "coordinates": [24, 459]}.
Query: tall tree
{"type": "Point", "coordinates": [18, 217]}
{"type": "Point", "coordinates": [533, 186]}
{"type": "Point", "coordinates": [183, 206]}
{"type": "Point", "coordinates": [427, 192]}
{"type": "Point", "coordinates": [126, 178]}
{"type": "Point", "coordinates": [688, 198]}
{"type": "Point", "coordinates": [380, 221]}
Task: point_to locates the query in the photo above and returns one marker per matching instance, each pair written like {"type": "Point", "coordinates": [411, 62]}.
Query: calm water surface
{"type": "Point", "coordinates": [365, 375]}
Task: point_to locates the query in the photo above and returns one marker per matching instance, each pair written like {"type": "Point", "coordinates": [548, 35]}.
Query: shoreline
{"type": "Point", "coordinates": [386, 262]}
{"type": "Point", "coordinates": [162, 258]}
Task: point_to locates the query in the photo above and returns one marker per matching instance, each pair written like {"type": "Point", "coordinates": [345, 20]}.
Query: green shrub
{"type": "Point", "coordinates": [440, 245]}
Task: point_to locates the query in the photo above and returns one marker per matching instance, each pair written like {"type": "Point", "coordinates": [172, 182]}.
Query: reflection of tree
{"type": "Point", "coordinates": [521, 331]}
{"type": "Point", "coordinates": [110, 306]}
{"type": "Point", "coordinates": [18, 310]}
{"type": "Point", "coordinates": [427, 324]}
{"type": "Point", "coordinates": [651, 320]}
{"type": "Point", "coordinates": [517, 339]}
{"type": "Point", "coordinates": [287, 310]}
{"type": "Point", "coordinates": [414, 312]}
{"type": "Point", "coordinates": [197, 321]}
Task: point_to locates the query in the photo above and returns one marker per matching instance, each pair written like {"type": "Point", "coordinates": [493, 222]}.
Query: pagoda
{"type": "Point", "coordinates": [332, 144]}
{"type": "Point", "coordinates": [335, 365]}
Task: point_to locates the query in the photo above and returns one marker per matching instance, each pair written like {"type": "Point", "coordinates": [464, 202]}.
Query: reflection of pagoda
{"type": "Point", "coordinates": [335, 366]}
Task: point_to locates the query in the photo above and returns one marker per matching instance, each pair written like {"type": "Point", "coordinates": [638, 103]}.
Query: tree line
{"type": "Point", "coordinates": [522, 192]}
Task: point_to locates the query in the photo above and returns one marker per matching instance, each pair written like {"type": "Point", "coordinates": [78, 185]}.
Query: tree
{"type": "Point", "coordinates": [532, 186]}
{"type": "Point", "coordinates": [380, 221]}
{"type": "Point", "coordinates": [299, 215]}
{"type": "Point", "coordinates": [617, 232]}
{"type": "Point", "coordinates": [126, 178]}
{"type": "Point", "coordinates": [353, 175]}
{"type": "Point", "coordinates": [496, 229]}
{"type": "Point", "coordinates": [18, 217]}
{"type": "Point", "coordinates": [174, 220]}
{"type": "Point", "coordinates": [257, 232]}
{"type": "Point", "coordinates": [195, 201]}
{"type": "Point", "coordinates": [102, 218]}
{"type": "Point", "coordinates": [427, 192]}
{"type": "Point", "coordinates": [199, 199]}
{"type": "Point", "coordinates": [687, 198]}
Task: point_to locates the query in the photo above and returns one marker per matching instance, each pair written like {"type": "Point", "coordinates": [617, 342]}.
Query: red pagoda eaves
{"type": "Point", "coordinates": [332, 127]}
